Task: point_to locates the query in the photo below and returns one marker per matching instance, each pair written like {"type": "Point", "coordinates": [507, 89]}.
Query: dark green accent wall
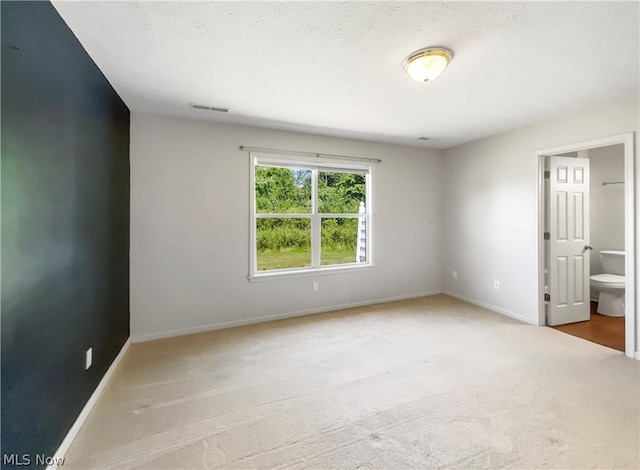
{"type": "Point", "coordinates": [65, 227]}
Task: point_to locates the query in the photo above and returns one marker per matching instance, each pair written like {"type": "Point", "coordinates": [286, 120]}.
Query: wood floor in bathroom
{"type": "Point", "coordinates": [601, 329]}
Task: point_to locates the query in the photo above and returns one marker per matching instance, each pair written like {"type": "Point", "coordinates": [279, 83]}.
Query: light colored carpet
{"type": "Point", "coordinates": [426, 383]}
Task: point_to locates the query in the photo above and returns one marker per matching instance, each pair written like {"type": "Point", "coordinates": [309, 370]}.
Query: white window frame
{"type": "Point", "coordinates": [315, 165]}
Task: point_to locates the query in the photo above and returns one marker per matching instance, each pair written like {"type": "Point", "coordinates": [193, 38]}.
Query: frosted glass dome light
{"type": "Point", "coordinates": [427, 64]}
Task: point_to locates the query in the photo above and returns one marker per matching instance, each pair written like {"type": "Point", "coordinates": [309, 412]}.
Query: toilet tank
{"type": "Point", "coordinates": [612, 262]}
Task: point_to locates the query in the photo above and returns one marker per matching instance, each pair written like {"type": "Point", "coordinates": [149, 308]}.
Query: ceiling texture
{"type": "Point", "coordinates": [335, 68]}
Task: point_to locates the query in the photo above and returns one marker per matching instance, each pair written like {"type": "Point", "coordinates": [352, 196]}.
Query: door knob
{"type": "Point", "coordinates": [588, 247]}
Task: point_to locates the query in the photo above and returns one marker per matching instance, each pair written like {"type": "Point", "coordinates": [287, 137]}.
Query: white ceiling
{"type": "Point", "coordinates": [336, 68]}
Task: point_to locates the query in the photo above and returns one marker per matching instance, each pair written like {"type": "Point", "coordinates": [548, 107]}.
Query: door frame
{"type": "Point", "coordinates": [627, 140]}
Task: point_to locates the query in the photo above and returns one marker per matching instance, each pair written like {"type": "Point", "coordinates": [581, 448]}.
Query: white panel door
{"type": "Point", "coordinates": [568, 245]}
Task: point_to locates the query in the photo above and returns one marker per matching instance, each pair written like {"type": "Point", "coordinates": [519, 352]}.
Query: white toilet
{"type": "Point", "coordinates": [611, 284]}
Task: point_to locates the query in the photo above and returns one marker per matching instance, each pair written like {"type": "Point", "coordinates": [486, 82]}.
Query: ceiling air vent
{"type": "Point", "coordinates": [423, 138]}
{"type": "Point", "coordinates": [208, 108]}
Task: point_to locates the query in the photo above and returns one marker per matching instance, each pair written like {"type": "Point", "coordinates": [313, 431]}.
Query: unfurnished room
{"type": "Point", "coordinates": [320, 235]}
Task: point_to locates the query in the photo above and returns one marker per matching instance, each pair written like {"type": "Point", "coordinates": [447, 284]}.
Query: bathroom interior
{"type": "Point", "coordinates": [607, 237]}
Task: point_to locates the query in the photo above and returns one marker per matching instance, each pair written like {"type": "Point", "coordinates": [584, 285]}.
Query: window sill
{"type": "Point", "coordinates": [293, 273]}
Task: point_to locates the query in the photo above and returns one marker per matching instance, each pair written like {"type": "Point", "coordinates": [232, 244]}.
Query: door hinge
{"type": "Point", "coordinates": [547, 298]}
{"type": "Point", "coordinates": [547, 236]}
{"type": "Point", "coordinates": [547, 174]}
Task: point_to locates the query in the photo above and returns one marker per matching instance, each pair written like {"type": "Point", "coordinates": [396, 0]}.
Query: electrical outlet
{"type": "Point", "coordinates": [454, 274]}
{"type": "Point", "coordinates": [88, 358]}
{"type": "Point", "coordinates": [496, 285]}
{"type": "Point", "coordinates": [315, 286]}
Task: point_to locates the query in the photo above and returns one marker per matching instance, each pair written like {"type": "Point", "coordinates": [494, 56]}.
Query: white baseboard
{"type": "Point", "coordinates": [493, 308]}
{"type": "Point", "coordinates": [84, 414]}
{"type": "Point", "coordinates": [266, 318]}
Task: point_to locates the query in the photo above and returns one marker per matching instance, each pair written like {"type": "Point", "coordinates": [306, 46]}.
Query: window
{"type": "Point", "coordinates": [309, 215]}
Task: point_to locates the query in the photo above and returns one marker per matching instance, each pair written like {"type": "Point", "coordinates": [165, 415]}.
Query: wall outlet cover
{"type": "Point", "coordinates": [88, 358]}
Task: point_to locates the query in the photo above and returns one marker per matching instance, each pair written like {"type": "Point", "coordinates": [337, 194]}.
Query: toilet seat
{"type": "Point", "coordinates": [609, 280]}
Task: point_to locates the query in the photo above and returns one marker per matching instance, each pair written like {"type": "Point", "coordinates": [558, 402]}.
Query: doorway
{"type": "Point", "coordinates": [566, 248]}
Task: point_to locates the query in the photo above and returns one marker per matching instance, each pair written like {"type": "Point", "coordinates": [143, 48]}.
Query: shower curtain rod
{"type": "Point", "coordinates": [308, 154]}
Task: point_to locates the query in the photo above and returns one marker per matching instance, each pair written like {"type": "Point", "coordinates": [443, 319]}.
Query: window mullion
{"type": "Point", "coordinates": [339, 215]}
{"type": "Point", "coordinates": [315, 221]}
{"type": "Point", "coordinates": [283, 215]}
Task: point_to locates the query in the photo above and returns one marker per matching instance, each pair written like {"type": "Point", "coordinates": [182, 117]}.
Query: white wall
{"type": "Point", "coordinates": [190, 227]}
{"type": "Point", "coordinates": [607, 203]}
{"type": "Point", "coordinates": [490, 206]}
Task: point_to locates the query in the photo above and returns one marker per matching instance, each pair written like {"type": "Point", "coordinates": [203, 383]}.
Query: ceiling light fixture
{"type": "Point", "coordinates": [427, 64]}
